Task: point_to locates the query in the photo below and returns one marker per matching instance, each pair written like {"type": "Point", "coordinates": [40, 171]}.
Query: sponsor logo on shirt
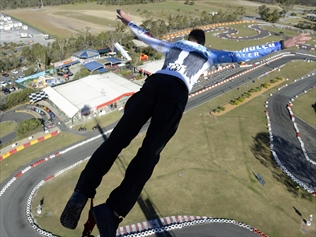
{"type": "Point", "coordinates": [141, 30]}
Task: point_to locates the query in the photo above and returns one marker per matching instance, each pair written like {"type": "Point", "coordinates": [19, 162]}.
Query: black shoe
{"type": "Point", "coordinates": [71, 214]}
{"type": "Point", "coordinates": [106, 221]}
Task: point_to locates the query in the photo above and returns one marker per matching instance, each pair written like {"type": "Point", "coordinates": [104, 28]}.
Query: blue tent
{"type": "Point", "coordinates": [84, 54]}
{"type": "Point", "coordinates": [92, 66]}
{"type": "Point", "coordinates": [113, 60]}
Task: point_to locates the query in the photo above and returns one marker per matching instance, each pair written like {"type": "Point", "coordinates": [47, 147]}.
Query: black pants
{"type": "Point", "coordinates": [163, 99]}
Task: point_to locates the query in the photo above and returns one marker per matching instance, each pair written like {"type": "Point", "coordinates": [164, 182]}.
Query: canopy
{"type": "Point", "coordinates": [84, 54]}
{"type": "Point", "coordinates": [113, 60]}
{"type": "Point", "coordinates": [104, 50]}
{"type": "Point", "coordinates": [92, 66]}
{"type": "Point", "coordinates": [68, 64]}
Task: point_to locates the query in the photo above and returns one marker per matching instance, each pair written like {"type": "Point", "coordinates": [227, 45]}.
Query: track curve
{"type": "Point", "coordinates": [13, 201]}
{"type": "Point", "coordinates": [285, 142]}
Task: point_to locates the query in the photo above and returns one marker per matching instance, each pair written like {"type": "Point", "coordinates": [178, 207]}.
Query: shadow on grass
{"type": "Point", "coordinates": [291, 157]}
{"type": "Point", "coordinates": [149, 209]}
{"type": "Point", "coordinates": [314, 107]}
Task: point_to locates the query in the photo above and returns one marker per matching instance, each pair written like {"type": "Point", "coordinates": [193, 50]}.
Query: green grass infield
{"type": "Point", "coordinates": [206, 169]}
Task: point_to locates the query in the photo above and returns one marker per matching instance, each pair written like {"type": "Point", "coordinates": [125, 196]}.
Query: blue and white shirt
{"type": "Point", "coordinates": [188, 60]}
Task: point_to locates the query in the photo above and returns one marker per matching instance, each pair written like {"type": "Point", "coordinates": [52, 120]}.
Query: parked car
{"type": "Point", "coordinates": [51, 125]}
{"type": "Point", "coordinates": [6, 91]}
{"type": "Point", "coordinates": [82, 129]}
{"type": "Point", "coordinates": [24, 68]}
{"type": "Point", "coordinates": [52, 115]}
{"type": "Point", "coordinates": [5, 74]}
{"type": "Point", "coordinates": [3, 84]}
{"type": "Point", "coordinates": [12, 88]}
{"type": "Point", "coordinates": [96, 127]}
{"type": "Point", "coordinates": [14, 71]}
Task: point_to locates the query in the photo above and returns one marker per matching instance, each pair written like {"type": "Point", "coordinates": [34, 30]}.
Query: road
{"type": "Point", "coordinates": [13, 201]}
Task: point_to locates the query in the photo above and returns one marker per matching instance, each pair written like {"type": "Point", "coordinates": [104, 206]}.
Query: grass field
{"type": "Point", "coordinates": [15, 161]}
{"type": "Point", "coordinates": [66, 20]}
{"type": "Point", "coordinates": [213, 155]}
{"type": "Point", "coordinates": [305, 107]}
{"type": "Point", "coordinates": [12, 164]}
{"type": "Point", "coordinates": [207, 169]}
{"type": "Point", "coordinates": [102, 120]}
{"type": "Point", "coordinates": [7, 128]}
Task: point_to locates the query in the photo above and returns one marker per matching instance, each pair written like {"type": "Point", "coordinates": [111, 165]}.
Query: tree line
{"type": "Point", "coordinates": [5, 4]}
{"type": "Point", "coordinates": [63, 48]}
{"type": "Point", "coordinates": [301, 2]}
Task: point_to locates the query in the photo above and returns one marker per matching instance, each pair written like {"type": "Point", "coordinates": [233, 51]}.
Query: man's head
{"type": "Point", "coordinates": [198, 36]}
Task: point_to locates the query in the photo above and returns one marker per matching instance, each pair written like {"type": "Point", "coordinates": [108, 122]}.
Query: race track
{"type": "Point", "coordinates": [14, 199]}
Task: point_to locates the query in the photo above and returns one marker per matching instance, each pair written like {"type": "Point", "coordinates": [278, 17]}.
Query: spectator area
{"type": "Point", "coordinates": [90, 93]}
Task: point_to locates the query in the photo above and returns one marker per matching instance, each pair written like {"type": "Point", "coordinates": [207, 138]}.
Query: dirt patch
{"type": "Point", "coordinates": [229, 107]}
{"type": "Point", "coordinates": [110, 15]}
{"type": "Point", "coordinates": [56, 21]}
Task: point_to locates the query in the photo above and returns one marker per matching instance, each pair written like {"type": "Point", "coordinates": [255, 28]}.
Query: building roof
{"type": "Point", "coordinates": [91, 92]}
{"type": "Point", "coordinates": [69, 63]}
{"type": "Point", "coordinates": [92, 66]}
{"type": "Point", "coordinates": [61, 102]}
{"type": "Point", "coordinates": [113, 60]}
{"type": "Point", "coordinates": [88, 53]}
{"type": "Point", "coordinates": [151, 67]}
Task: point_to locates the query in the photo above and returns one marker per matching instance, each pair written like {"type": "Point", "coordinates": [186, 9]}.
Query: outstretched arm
{"type": "Point", "coordinates": [298, 39]}
{"type": "Point", "coordinates": [250, 53]}
{"type": "Point", "coordinates": [143, 34]}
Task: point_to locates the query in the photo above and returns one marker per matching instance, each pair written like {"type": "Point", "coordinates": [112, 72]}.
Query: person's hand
{"type": "Point", "coordinates": [124, 17]}
{"type": "Point", "coordinates": [299, 39]}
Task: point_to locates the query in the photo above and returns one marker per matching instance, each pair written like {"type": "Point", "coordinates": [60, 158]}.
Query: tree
{"type": "Point", "coordinates": [275, 16]}
{"type": "Point", "coordinates": [264, 12]}
{"type": "Point", "coordinates": [18, 97]}
{"type": "Point", "coordinates": [39, 53]}
{"type": "Point", "coordinates": [286, 5]}
{"type": "Point", "coordinates": [135, 60]}
{"type": "Point", "coordinates": [3, 103]}
{"type": "Point", "coordinates": [241, 11]}
{"type": "Point", "coordinates": [28, 125]}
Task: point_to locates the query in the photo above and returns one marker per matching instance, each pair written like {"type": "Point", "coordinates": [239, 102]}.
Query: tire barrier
{"type": "Point", "coordinates": [180, 222]}
{"type": "Point", "coordinates": [275, 156]}
{"type": "Point", "coordinates": [32, 142]}
{"type": "Point", "coordinates": [229, 35]}
{"type": "Point", "coordinates": [255, 66]}
{"type": "Point", "coordinates": [52, 156]}
{"type": "Point", "coordinates": [181, 33]}
{"type": "Point", "coordinates": [28, 212]}
{"type": "Point", "coordinates": [147, 228]}
{"type": "Point", "coordinates": [298, 135]}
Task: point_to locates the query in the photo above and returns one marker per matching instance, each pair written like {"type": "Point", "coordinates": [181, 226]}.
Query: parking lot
{"type": "Point", "coordinates": [13, 34]}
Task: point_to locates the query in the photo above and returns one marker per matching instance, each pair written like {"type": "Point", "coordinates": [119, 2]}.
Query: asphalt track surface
{"type": "Point", "coordinates": [12, 116]}
{"type": "Point", "coordinates": [13, 201]}
{"type": "Point", "coordinates": [286, 144]}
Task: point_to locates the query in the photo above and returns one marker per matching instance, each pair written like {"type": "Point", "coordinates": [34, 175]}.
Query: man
{"type": "Point", "coordinates": [162, 99]}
